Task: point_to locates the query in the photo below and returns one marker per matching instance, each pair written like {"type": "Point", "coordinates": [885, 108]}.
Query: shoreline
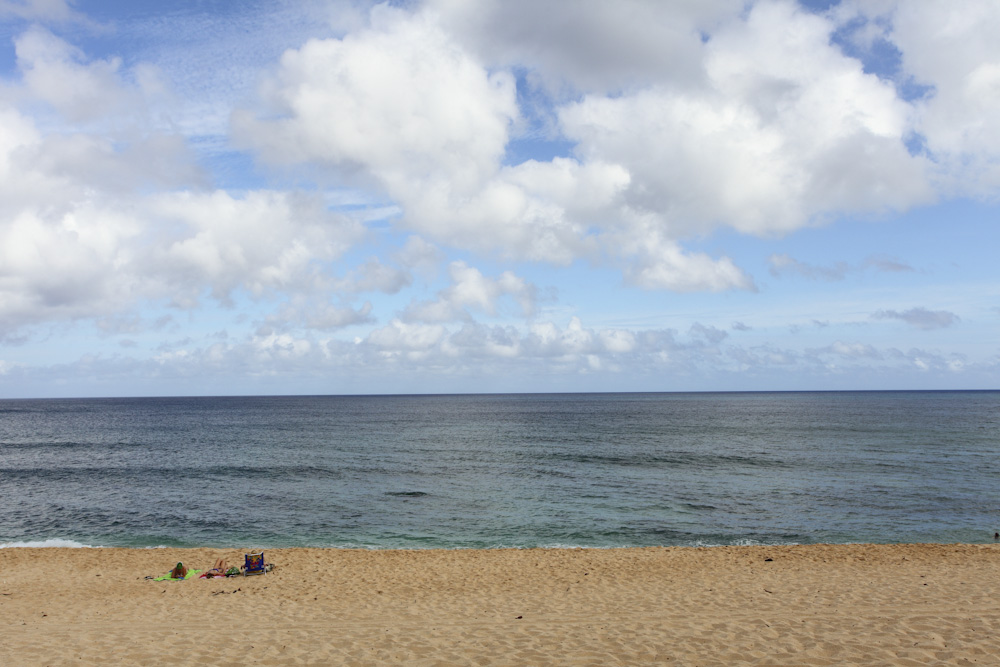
{"type": "Point", "coordinates": [61, 543]}
{"type": "Point", "coordinates": [783, 604]}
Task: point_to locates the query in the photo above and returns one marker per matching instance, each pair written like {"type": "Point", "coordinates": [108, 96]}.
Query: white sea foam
{"type": "Point", "coordinates": [56, 542]}
{"type": "Point", "coordinates": [743, 542]}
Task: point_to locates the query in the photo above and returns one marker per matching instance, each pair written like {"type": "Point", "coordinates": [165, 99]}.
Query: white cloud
{"type": "Point", "coordinates": [419, 255]}
{"type": "Point", "coordinates": [854, 350]}
{"type": "Point", "coordinates": [618, 341]}
{"type": "Point", "coordinates": [786, 129]}
{"type": "Point", "coordinates": [471, 290]}
{"type": "Point", "coordinates": [884, 263]}
{"type": "Point", "coordinates": [598, 46]}
{"type": "Point", "coordinates": [63, 266]}
{"type": "Point", "coordinates": [399, 98]}
{"type": "Point", "coordinates": [400, 337]}
{"type": "Point", "coordinates": [950, 50]}
{"type": "Point", "coordinates": [571, 347]}
{"type": "Point", "coordinates": [770, 129]}
{"type": "Point", "coordinates": [373, 276]}
{"type": "Point", "coordinates": [431, 128]}
{"type": "Point", "coordinates": [539, 357]}
{"type": "Point", "coordinates": [40, 10]}
{"type": "Point", "coordinates": [402, 105]}
{"type": "Point", "coordinates": [264, 241]}
{"type": "Point", "coordinates": [759, 357]}
{"type": "Point", "coordinates": [709, 334]}
{"type": "Point", "coordinates": [782, 264]}
{"type": "Point", "coordinates": [785, 264]}
{"type": "Point", "coordinates": [77, 240]}
{"type": "Point", "coordinates": [277, 347]}
{"type": "Point", "coordinates": [662, 264]}
{"type": "Point", "coordinates": [921, 318]}
{"type": "Point", "coordinates": [55, 72]}
{"type": "Point", "coordinates": [953, 48]}
{"type": "Point", "coordinates": [315, 313]}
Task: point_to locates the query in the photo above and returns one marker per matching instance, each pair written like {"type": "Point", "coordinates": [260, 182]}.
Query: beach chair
{"type": "Point", "coordinates": [254, 564]}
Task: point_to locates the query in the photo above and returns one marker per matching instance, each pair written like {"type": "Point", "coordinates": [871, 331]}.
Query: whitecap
{"type": "Point", "coordinates": [55, 542]}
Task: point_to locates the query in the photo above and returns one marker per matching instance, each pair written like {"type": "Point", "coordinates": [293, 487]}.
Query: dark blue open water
{"type": "Point", "coordinates": [593, 470]}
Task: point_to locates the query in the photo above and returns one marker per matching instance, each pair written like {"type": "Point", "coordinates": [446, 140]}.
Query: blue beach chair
{"type": "Point", "coordinates": [254, 564]}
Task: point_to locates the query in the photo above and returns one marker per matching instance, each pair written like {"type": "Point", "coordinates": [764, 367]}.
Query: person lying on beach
{"type": "Point", "coordinates": [219, 570]}
{"type": "Point", "coordinates": [179, 573]}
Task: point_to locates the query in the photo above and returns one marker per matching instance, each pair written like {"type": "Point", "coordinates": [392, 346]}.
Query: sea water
{"type": "Point", "coordinates": [587, 470]}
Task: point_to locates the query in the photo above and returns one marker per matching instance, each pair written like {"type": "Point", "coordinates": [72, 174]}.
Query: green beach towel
{"type": "Point", "coordinates": [190, 575]}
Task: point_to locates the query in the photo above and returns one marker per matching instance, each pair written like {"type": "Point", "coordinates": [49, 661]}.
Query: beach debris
{"type": "Point", "coordinates": [768, 560]}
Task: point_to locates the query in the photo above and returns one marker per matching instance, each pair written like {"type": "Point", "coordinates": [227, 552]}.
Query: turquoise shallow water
{"type": "Point", "coordinates": [592, 470]}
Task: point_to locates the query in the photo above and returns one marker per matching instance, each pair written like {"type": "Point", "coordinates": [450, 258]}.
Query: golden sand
{"type": "Point", "coordinates": [793, 605]}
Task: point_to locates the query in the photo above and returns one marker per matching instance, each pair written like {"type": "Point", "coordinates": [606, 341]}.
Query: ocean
{"type": "Point", "coordinates": [489, 471]}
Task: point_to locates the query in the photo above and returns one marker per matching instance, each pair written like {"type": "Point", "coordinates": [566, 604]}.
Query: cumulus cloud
{"type": "Point", "coordinates": [762, 356]}
{"type": "Point", "coordinates": [786, 128]}
{"type": "Point", "coordinates": [304, 312]}
{"type": "Point", "coordinates": [263, 241]}
{"type": "Point", "coordinates": [97, 219]}
{"type": "Point", "coordinates": [765, 126]}
{"type": "Point", "coordinates": [56, 73]}
{"type": "Point", "coordinates": [653, 262]}
{"type": "Point", "coordinates": [431, 128]}
{"type": "Point", "coordinates": [921, 318]}
{"type": "Point", "coordinates": [102, 256]}
{"type": "Point", "coordinates": [709, 334]}
{"type": "Point", "coordinates": [403, 106]}
{"type": "Point", "coordinates": [598, 47]}
{"type": "Point", "coordinates": [396, 99]}
{"type": "Point", "coordinates": [471, 290]}
{"type": "Point", "coordinates": [572, 348]}
{"type": "Point", "coordinates": [952, 50]}
{"type": "Point", "coordinates": [41, 10]}
{"type": "Point", "coordinates": [419, 255]}
{"type": "Point", "coordinates": [400, 337]}
{"type": "Point", "coordinates": [373, 276]}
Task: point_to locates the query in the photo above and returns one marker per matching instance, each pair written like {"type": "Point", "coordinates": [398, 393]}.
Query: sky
{"type": "Point", "coordinates": [452, 196]}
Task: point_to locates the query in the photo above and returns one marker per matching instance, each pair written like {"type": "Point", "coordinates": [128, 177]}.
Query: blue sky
{"type": "Point", "coordinates": [449, 196]}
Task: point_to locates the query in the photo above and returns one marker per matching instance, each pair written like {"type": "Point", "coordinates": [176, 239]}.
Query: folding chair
{"type": "Point", "coordinates": [254, 564]}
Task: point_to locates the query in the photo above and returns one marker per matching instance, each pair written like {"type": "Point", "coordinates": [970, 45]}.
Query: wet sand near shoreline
{"type": "Point", "coordinates": [778, 605]}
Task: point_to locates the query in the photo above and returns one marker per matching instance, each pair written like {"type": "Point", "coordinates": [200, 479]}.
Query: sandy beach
{"type": "Point", "coordinates": [793, 605]}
